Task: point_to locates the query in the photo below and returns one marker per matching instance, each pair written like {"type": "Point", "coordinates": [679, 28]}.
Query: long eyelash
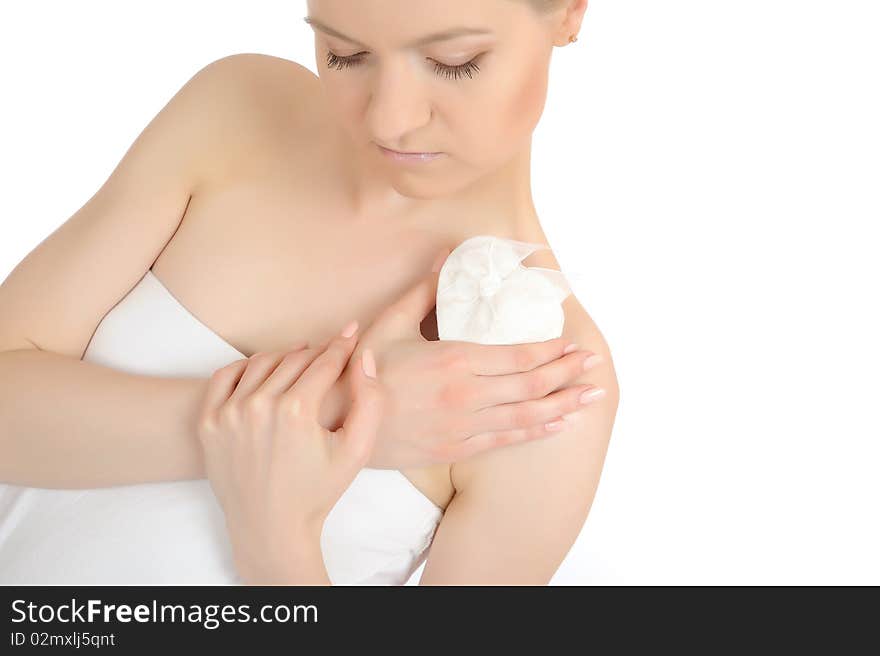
{"type": "Point", "coordinates": [455, 72]}
{"type": "Point", "coordinates": [337, 62]}
{"type": "Point", "coordinates": [468, 68]}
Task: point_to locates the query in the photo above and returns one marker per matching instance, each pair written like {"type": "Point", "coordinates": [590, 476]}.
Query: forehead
{"type": "Point", "coordinates": [411, 23]}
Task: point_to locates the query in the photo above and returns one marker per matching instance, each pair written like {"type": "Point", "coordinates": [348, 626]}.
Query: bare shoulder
{"type": "Point", "coordinates": [261, 74]}
{"type": "Point", "coordinates": [597, 421]}
{"type": "Point", "coordinates": [251, 101]}
{"type": "Point", "coordinates": [228, 114]}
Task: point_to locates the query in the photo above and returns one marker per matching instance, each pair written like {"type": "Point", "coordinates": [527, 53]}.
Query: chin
{"type": "Point", "coordinates": [419, 191]}
{"type": "Point", "coordinates": [428, 187]}
{"type": "Point", "coordinates": [456, 179]}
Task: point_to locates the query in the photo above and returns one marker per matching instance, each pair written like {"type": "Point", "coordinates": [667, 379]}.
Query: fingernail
{"type": "Point", "coordinates": [570, 348]}
{"type": "Point", "coordinates": [591, 395]}
{"type": "Point", "coordinates": [555, 425]}
{"type": "Point", "coordinates": [350, 329]}
{"type": "Point", "coordinates": [369, 363]}
{"type": "Point", "coordinates": [592, 361]}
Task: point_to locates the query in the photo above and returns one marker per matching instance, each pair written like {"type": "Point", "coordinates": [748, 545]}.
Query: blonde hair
{"type": "Point", "coordinates": [546, 6]}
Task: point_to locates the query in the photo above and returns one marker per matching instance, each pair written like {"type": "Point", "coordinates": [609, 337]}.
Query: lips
{"type": "Point", "coordinates": [403, 152]}
{"type": "Point", "coordinates": [408, 159]}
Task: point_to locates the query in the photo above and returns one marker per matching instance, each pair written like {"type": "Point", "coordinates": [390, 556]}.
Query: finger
{"type": "Point", "coordinates": [221, 385]}
{"type": "Point", "coordinates": [534, 384]}
{"type": "Point", "coordinates": [501, 359]}
{"type": "Point", "coordinates": [477, 444]}
{"type": "Point", "coordinates": [317, 380]}
{"type": "Point", "coordinates": [288, 371]}
{"type": "Point", "coordinates": [259, 366]}
{"type": "Point", "coordinates": [512, 416]}
{"type": "Point", "coordinates": [357, 435]}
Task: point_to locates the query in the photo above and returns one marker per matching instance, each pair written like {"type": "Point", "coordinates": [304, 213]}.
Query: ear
{"type": "Point", "coordinates": [571, 21]}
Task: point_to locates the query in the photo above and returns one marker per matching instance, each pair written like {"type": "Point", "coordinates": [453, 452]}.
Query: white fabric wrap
{"type": "Point", "coordinates": [485, 295]}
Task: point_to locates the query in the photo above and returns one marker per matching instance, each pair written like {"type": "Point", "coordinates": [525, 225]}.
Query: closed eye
{"type": "Point", "coordinates": [453, 72]}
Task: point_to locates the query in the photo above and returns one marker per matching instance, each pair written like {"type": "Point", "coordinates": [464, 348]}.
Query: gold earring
{"type": "Point", "coordinates": [572, 38]}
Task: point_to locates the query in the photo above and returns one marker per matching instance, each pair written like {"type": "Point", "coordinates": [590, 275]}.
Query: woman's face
{"type": "Point", "coordinates": [475, 98]}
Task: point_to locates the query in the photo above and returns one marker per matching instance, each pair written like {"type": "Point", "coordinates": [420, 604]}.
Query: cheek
{"type": "Point", "coordinates": [510, 112]}
{"type": "Point", "coordinates": [526, 103]}
{"type": "Point", "coordinates": [509, 117]}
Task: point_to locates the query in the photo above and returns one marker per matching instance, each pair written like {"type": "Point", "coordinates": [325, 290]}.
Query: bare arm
{"type": "Point", "coordinates": [518, 510]}
{"type": "Point", "coordinates": [68, 423]}
{"type": "Point", "coordinates": [65, 422]}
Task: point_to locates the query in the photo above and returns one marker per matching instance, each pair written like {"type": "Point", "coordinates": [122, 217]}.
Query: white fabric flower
{"type": "Point", "coordinates": [485, 295]}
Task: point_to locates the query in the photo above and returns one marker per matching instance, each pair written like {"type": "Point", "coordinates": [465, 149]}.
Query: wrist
{"type": "Point", "coordinates": [303, 566]}
{"type": "Point", "coordinates": [192, 392]}
{"type": "Point", "coordinates": [301, 562]}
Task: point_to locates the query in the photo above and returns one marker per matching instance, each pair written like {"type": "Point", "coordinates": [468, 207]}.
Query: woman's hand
{"type": "Point", "coordinates": [275, 470]}
{"type": "Point", "coordinates": [449, 400]}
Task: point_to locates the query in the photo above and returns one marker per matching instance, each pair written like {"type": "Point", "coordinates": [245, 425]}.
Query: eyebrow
{"type": "Point", "coordinates": [445, 35]}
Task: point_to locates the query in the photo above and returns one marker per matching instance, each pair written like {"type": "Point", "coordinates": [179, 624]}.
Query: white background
{"type": "Point", "coordinates": [711, 168]}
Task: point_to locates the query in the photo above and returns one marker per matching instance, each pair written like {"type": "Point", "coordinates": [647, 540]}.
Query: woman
{"type": "Point", "coordinates": [337, 228]}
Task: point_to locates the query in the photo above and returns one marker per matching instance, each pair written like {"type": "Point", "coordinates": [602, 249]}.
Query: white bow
{"type": "Point", "coordinates": [486, 295]}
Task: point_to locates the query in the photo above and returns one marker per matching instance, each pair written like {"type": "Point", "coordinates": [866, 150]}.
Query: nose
{"type": "Point", "coordinates": [398, 105]}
